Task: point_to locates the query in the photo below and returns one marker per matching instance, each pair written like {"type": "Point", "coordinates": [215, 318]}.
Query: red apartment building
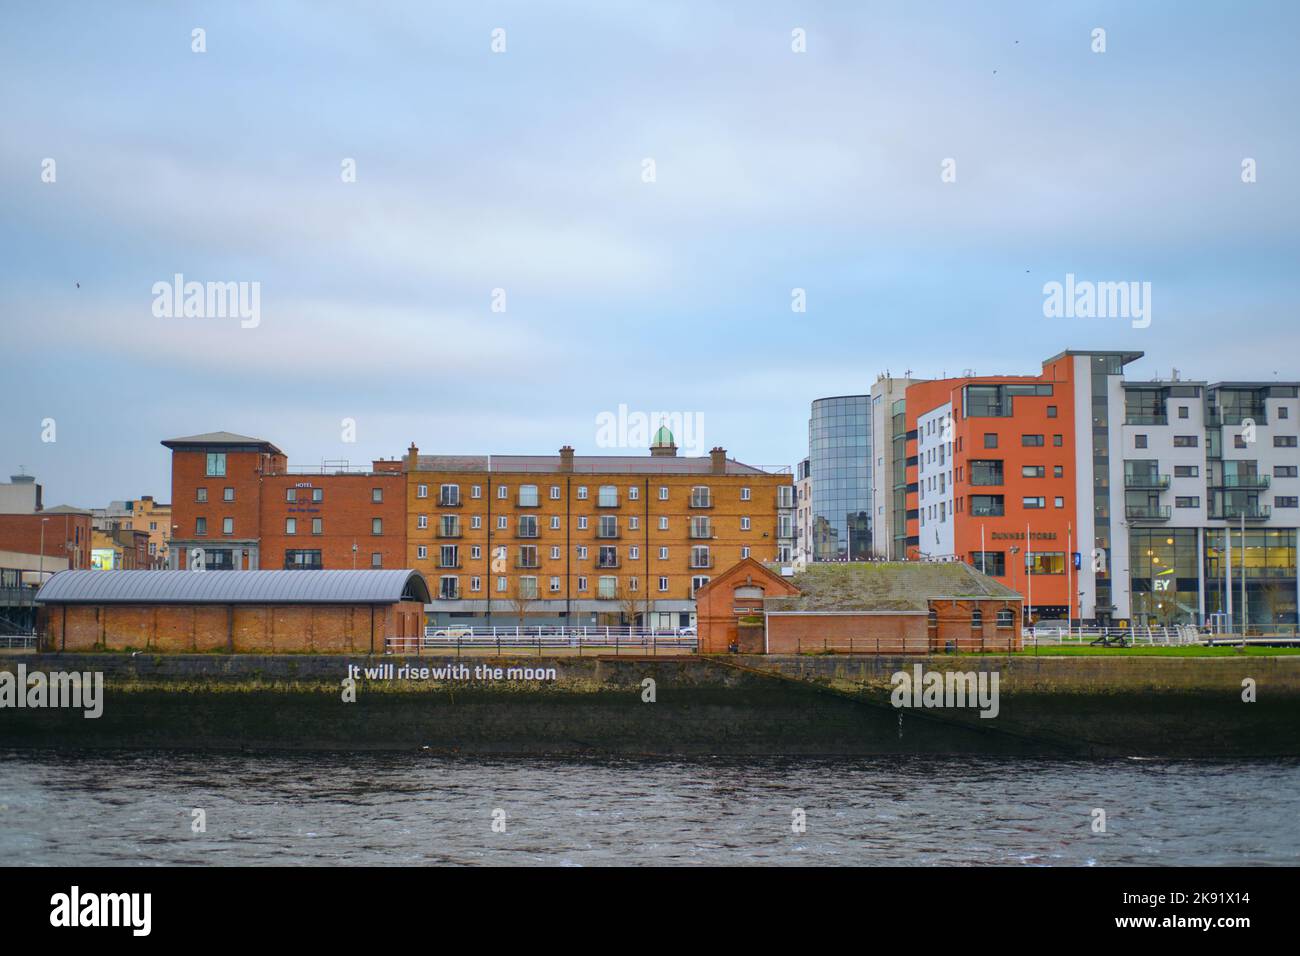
{"type": "Point", "coordinates": [991, 480]}
{"type": "Point", "coordinates": [238, 505]}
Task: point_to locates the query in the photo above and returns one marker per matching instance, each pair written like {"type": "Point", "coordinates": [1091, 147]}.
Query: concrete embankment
{"type": "Point", "coordinates": [732, 705]}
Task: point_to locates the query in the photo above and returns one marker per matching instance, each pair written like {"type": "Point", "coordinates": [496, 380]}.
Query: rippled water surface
{"type": "Point", "coordinates": [136, 808]}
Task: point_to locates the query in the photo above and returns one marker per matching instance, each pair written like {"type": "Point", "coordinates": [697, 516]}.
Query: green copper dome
{"type": "Point", "coordinates": [663, 437]}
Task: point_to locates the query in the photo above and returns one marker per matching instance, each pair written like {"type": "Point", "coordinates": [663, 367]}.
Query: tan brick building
{"type": "Point", "coordinates": [583, 540]}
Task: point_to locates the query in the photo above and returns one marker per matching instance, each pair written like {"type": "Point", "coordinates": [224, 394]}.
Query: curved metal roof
{"type": "Point", "coordinates": [234, 587]}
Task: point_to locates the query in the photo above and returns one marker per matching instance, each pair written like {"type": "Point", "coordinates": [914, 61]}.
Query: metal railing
{"type": "Point", "coordinates": [540, 639]}
{"type": "Point", "coordinates": [18, 642]}
{"type": "Point", "coordinates": [1170, 635]}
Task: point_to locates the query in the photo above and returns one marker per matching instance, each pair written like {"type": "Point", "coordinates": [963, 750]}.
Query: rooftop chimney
{"type": "Point", "coordinates": [719, 456]}
{"type": "Point", "coordinates": [412, 457]}
{"type": "Point", "coordinates": [566, 459]}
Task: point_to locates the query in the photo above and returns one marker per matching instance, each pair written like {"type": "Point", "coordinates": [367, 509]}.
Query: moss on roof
{"type": "Point", "coordinates": [886, 586]}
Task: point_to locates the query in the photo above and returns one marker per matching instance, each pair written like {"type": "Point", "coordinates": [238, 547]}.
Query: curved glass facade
{"type": "Point", "coordinates": [839, 453]}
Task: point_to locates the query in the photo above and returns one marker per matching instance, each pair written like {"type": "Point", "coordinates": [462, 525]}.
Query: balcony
{"type": "Point", "coordinates": [526, 533]}
{"type": "Point", "coordinates": [701, 564]}
{"type": "Point", "coordinates": [445, 532]}
{"type": "Point", "coordinates": [701, 501]}
{"type": "Point", "coordinates": [1215, 417]}
{"type": "Point", "coordinates": [607, 562]}
{"type": "Point", "coordinates": [608, 535]}
{"type": "Point", "coordinates": [528, 564]}
{"type": "Point", "coordinates": [1147, 512]}
{"type": "Point", "coordinates": [1241, 481]}
{"type": "Point", "coordinates": [1238, 512]}
{"type": "Point", "coordinates": [1150, 480]}
{"type": "Point", "coordinates": [449, 593]}
{"type": "Point", "coordinates": [527, 501]}
{"type": "Point", "coordinates": [607, 501]}
{"type": "Point", "coordinates": [702, 534]}
{"type": "Point", "coordinates": [1136, 418]}
{"type": "Point", "coordinates": [449, 501]}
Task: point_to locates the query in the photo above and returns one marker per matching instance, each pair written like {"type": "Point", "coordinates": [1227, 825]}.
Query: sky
{"type": "Point", "coordinates": [525, 170]}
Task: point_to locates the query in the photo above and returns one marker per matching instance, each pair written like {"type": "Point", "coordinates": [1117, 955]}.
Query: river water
{"type": "Point", "coordinates": [128, 808]}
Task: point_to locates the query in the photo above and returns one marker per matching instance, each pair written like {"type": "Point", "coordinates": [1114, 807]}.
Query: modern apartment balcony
{"type": "Point", "coordinates": [449, 594]}
{"type": "Point", "coordinates": [1147, 512]}
{"type": "Point", "coordinates": [702, 535]}
{"type": "Point", "coordinates": [524, 534]}
{"type": "Point", "coordinates": [608, 535]}
{"type": "Point", "coordinates": [1135, 418]}
{"type": "Point", "coordinates": [1215, 417]}
{"type": "Point", "coordinates": [1146, 481]}
{"type": "Point", "coordinates": [607, 563]}
{"type": "Point", "coordinates": [1241, 481]}
{"type": "Point", "coordinates": [1238, 512]}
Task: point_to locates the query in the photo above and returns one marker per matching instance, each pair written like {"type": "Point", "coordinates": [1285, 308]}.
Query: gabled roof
{"type": "Point", "coordinates": [905, 586]}
{"type": "Point", "coordinates": [746, 570]}
{"type": "Point", "coordinates": [234, 587]}
{"type": "Point", "coordinates": [228, 439]}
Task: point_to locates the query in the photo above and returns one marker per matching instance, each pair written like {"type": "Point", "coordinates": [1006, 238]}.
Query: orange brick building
{"type": "Point", "coordinates": [991, 478]}
{"type": "Point", "coordinates": [237, 505]}
{"type": "Point", "coordinates": [363, 612]}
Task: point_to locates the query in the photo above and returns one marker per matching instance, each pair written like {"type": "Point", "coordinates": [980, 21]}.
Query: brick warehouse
{"type": "Point", "coordinates": [232, 611]}
{"type": "Point", "coordinates": [873, 607]}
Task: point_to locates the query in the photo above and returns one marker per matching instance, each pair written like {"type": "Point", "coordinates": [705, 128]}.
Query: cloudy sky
{"type": "Point", "coordinates": [524, 171]}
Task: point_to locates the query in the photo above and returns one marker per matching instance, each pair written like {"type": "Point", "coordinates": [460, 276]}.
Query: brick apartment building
{"type": "Point", "coordinates": [238, 505]}
{"type": "Point", "coordinates": [1111, 500]}
{"type": "Point", "coordinates": [603, 539]}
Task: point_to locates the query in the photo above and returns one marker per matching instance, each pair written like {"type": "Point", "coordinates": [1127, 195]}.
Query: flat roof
{"type": "Point", "coordinates": [234, 587]}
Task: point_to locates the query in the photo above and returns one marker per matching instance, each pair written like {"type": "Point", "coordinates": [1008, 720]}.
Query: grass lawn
{"type": "Point", "coordinates": [1187, 650]}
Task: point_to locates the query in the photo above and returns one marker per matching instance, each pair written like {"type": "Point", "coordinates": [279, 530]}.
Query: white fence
{"type": "Point", "coordinates": [1174, 634]}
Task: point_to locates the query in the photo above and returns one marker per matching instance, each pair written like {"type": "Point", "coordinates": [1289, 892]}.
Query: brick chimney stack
{"type": "Point", "coordinates": [719, 456]}
{"type": "Point", "coordinates": [412, 457]}
{"type": "Point", "coordinates": [566, 460]}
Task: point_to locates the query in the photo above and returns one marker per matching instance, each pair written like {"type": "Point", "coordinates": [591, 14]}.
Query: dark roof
{"type": "Point", "coordinates": [887, 586]}
{"type": "Point", "coordinates": [234, 587]}
{"type": "Point", "coordinates": [582, 464]}
{"type": "Point", "coordinates": [225, 439]}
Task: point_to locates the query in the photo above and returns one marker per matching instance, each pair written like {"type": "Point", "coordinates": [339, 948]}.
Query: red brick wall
{"type": "Point", "coordinates": [954, 625]}
{"type": "Point", "coordinates": [66, 535]}
{"type": "Point", "coordinates": [243, 474]}
{"type": "Point", "coordinates": [346, 510]}
{"type": "Point", "coordinates": [323, 629]}
{"type": "Point", "coordinates": [845, 633]}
